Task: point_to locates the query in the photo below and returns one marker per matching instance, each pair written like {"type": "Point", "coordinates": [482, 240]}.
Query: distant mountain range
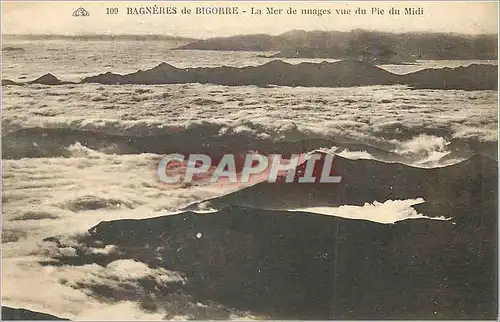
{"type": "Point", "coordinates": [103, 37]}
{"type": "Point", "coordinates": [372, 46]}
{"type": "Point", "coordinates": [337, 74]}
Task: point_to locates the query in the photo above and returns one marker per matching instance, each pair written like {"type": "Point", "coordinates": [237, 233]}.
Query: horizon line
{"type": "Point", "coordinates": [235, 35]}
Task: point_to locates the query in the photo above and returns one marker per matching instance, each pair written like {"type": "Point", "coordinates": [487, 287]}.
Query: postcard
{"type": "Point", "coordinates": [306, 160]}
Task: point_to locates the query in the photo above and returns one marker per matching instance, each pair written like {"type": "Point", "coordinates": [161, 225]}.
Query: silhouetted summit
{"type": "Point", "coordinates": [47, 79]}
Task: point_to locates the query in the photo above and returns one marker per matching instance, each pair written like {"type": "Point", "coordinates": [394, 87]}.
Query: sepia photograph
{"type": "Point", "coordinates": [249, 160]}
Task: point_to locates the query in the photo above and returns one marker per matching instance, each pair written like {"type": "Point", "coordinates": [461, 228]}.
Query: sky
{"type": "Point", "coordinates": [41, 17]}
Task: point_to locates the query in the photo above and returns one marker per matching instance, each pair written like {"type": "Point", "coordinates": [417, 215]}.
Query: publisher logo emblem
{"type": "Point", "coordinates": [81, 12]}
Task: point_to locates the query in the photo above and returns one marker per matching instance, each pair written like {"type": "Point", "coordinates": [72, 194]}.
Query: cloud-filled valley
{"type": "Point", "coordinates": [86, 219]}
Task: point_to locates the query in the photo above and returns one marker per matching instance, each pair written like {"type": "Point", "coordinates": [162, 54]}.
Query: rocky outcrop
{"type": "Point", "coordinates": [9, 313]}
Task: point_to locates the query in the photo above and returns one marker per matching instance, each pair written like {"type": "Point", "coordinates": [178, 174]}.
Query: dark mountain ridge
{"type": "Point", "coordinates": [276, 72]}
{"type": "Point", "coordinates": [373, 46]}
{"type": "Point", "coordinates": [207, 139]}
{"type": "Point", "coordinates": [305, 266]}
{"type": "Point", "coordinates": [450, 192]}
{"type": "Point", "coordinates": [337, 74]}
{"type": "Point", "coordinates": [299, 265]}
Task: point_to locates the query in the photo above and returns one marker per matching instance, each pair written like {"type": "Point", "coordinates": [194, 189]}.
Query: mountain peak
{"type": "Point", "coordinates": [47, 79]}
{"type": "Point", "coordinates": [163, 66]}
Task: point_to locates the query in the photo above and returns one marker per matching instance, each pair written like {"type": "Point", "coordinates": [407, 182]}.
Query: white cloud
{"type": "Point", "coordinates": [387, 212]}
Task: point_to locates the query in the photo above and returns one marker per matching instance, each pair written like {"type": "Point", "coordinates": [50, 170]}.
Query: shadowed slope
{"type": "Point", "coordinates": [457, 191]}
{"type": "Point", "coordinates": [298, 265]}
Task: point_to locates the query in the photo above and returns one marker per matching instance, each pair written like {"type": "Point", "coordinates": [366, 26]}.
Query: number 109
{"type": "Point", "coordinates": [111, 11]}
